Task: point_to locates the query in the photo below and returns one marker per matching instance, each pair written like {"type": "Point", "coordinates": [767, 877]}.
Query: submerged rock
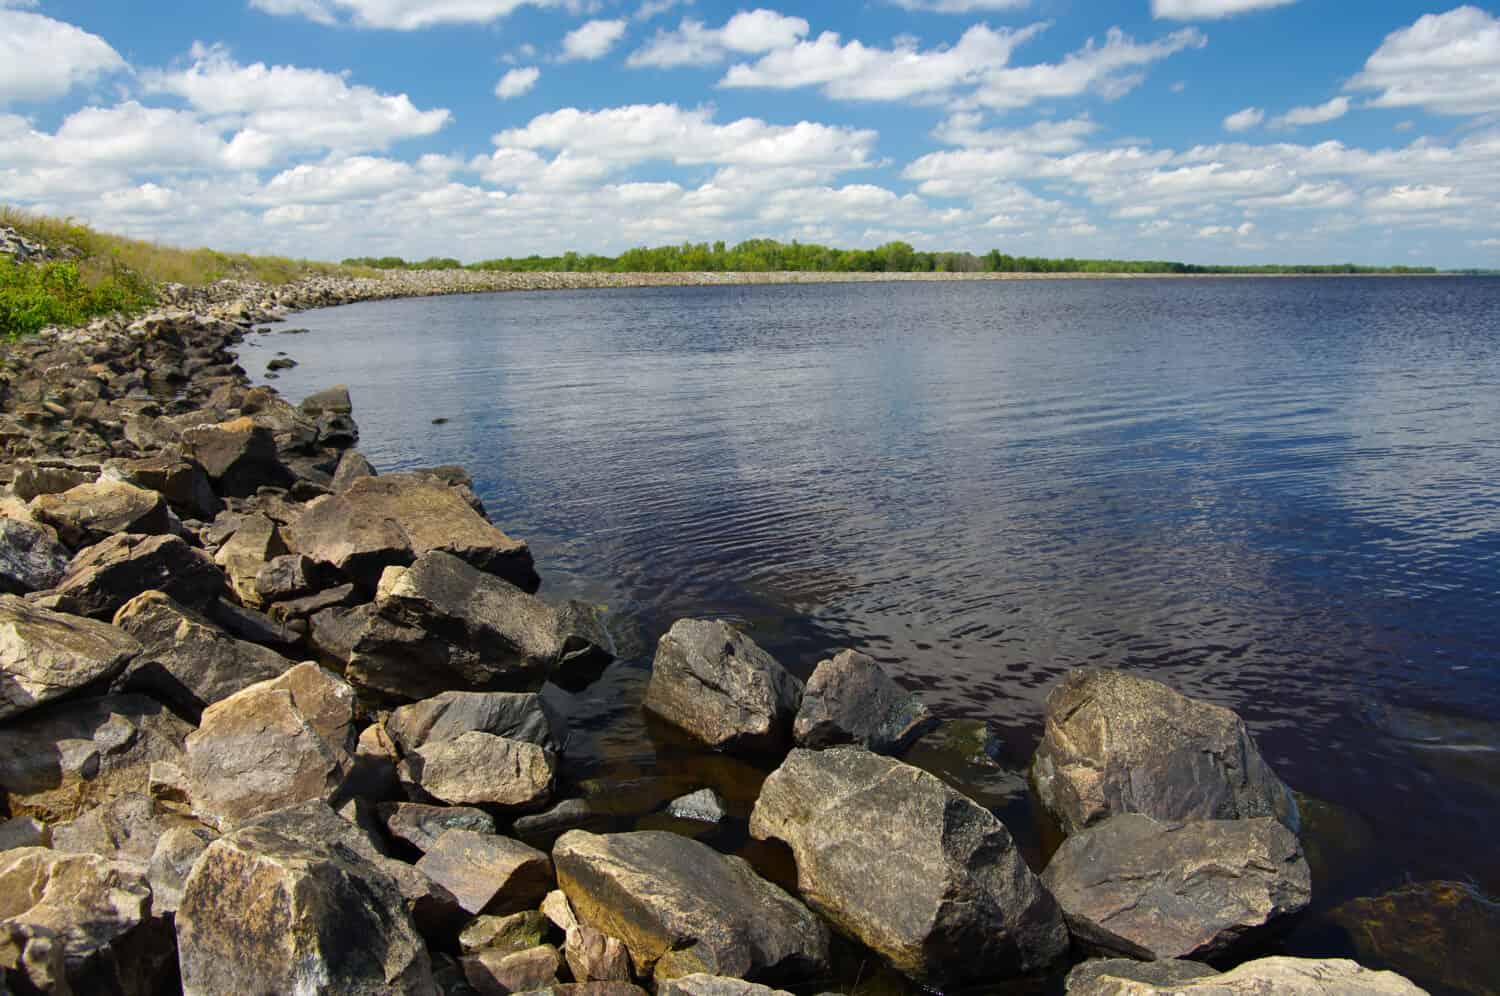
{"type": "Point", "coordinates": [850, 700]}
{"type": "Point", "coordinates": [47, 655]}
{"type": "Point", "coordinates": [1442, 934]}
{"type": "Point", "coordinates": [1117, 743]}
{"type": "Point", "coordinates": [712, 680]}
{"type": "Point", "coordinates": [912, 869]}
{"type": "Point", "coordinates": [681, 907]}
{"type": "Point", "coordinates": [1136, 887]}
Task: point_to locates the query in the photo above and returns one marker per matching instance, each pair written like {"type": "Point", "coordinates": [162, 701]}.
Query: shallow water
{"type": "Point", "coordinates": [1280, 495]}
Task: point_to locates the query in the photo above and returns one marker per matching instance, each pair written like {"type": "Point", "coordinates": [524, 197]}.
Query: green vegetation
{"type": "Point", "coordinates": [33, 296]}
{"type": "Point", "coordinates": [397, 263]}
{"type": "Point", "coordinates": [765, 255]}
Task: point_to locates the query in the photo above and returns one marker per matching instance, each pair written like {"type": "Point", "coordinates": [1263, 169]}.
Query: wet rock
{"type": "Point", "coordinates": [421, 826]}
{"type": "Point", "coordinates": [715, 985]}
{"type": "Point", "coordinates": [1117, 743]}
{"type": "Point", "coordinates": [183, 483]}
{"type": "Point", "coordinates": [492, 973]}
{"type": "Point", "coordinates": [507, 934]}
{"type": "Point", "coordinates": [588, 645]}
{"type": "Point", "coordinates": [30, 558]}
{"type": "Point", "coordinates": [275, 744]}
{"type": "Point", "coordinates": [239, 456]}
{"type": "Point", "coordinates": [713, 681]}
{"type": "Point", "coordinates": [480, 769]}
{"type": "Point", "coordinates": [542, 829]}
{"type": "Point", "coordinates": [186, 661]}
{"type": "Point", "coordinates": [68, 756]}
{"type": "Point", "coordinates": [97, 909]}
{"type": "Point", "coordinates": [253, 546]}
{"type": "Point", "coordinates": [91, 512]}
{"type": "Point", "coordinates": [1281, 976]}
{"type": "Point", "coordinates": [104, 577]}
{"type": "Point", "coordinates": [518, 716]}
{"type": "Point", "coordinates": [172, 860]}
{"type": "Point", "coordinates": [850, 700]}
{"type": "Point", "coordinates": [47, 655]}
{"type": "Point", "coordinates": [488, 873]}
{"type": "Point", "coordinates": [681, 908]}
{"type": "Point", "coordinates": [352, 467]}
{"type": "Point", "coordinates": [444, 625]}
{"type": "Point", "coordinates": [1150, 890]}
{"type": "Point", "coordinates": [1441, 934]}
{"type": "Point", "coordinates": [266, 912]}
{"type": "Point", "coordinates": [392, 520]}
{"type": "Point", "coordinates": [24, 831]}
{"type": "Point", "coordinates": [1096, 975]}
{"type": "Point", "coordinates": [704, 805]}
{"type": "Point", "coordinates": [914, 870]}
{"type": "Point", "coordinates": [594, 956]}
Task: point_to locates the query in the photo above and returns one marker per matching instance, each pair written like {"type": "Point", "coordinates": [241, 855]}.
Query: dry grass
{"type": "Point", "coordinates": [105, 254]}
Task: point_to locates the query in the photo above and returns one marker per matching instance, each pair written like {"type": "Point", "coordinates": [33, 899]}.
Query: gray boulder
{"type": "Point", "coordinates": [712, 681]}
{"type": "Point", "coordinates": [329, 401]}
{"type": "Point", "coordinates": [107, 575]}
{"type": "Point", "coordinates": [1117, 743]}
{"type": "Point", "coordinates": [125, 829]}
{"type": "Point", "coordinates": [181, 482]}
{"type": "Point", "coordinates": [850, 700]}
{"type": "Point", "coordinates": [66, 757]}
{"type": "Point", "coordinates": [681, 908]}
{"type": "Point", "coordinates": [91, 512]}
{"type": "Point", "coordinates": [1264, 977]}
{"type": "Point", "coordinates": [518, 716]}
{"type": "Point", "coordinates": [488, 873]}
{"type": "Point", "coordinates": [379, 522]}
{"type": "Point", "coordinates": [30, 558]}
{"type": "Point", "coordinates": [287, 577]}
{"type": "Point", "coordinates": [265, 912]}
{"type": "Point", "coordinates": [352, 467]}
{"type": "Point", "coordinates": [480, 769]}
{"type": "Point", "coordinates": [187, 661]}
{"type": "Point", "coordinates": [420, 825]}
{"type": "Point", "coordinates": [98, 910]}
{"type": "Point", "coordinates": [172, 860]}
{"type": "Point", "coordinates": [1136, 887]}
{"type": "Point", "coordinates": [704, 806]}
{"type": "Point", "coordinates": [47, 655]}
{"type": "Point", "coordinates": [917, 872]}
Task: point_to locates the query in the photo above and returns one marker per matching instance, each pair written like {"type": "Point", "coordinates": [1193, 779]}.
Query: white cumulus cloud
{"type": "Point", "coordinates": [517, 82]}
{"type": "Point", "coordinates": [958, 6]}
{"type": "Point", "coordinates": [1250, 117]}
{"type": "Point", "coordinates": [592, 40]}
{"type": "Point", "coordinates": [400, 15]}
{"type": "Point", "coordinates": [1110, 70]}
{"type": "Point", "coordinates": [1444, 63]}
{"type": "Point", "coordinates": [1299, 117]}
{"type": "Point", "coordinates": [1210, 10]}
{"type": "Point", "coordinates": [43, 59]}
{"type": "Point", "coordinates": [693, 43]}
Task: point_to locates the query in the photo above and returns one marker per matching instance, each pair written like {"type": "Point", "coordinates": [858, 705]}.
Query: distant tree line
{"type": "Point", "coordinates": [763, 255]}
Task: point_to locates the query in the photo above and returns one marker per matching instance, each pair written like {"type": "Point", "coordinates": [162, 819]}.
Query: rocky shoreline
{"type": "Point", "coordinates": [271, 721]}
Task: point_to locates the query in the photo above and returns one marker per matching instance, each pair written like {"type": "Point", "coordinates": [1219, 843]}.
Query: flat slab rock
{"type": "Point", "coordinates": [481, 769]}
{"type": "Point", "coordinates": [488, 873]}
{"type": "Point", "coordinates": [1264, 977]}
{"type": "Point", "coordinates": [917, 872]}
{"type": "Point", "coordinates": [92, 512]}
{"type": "Point", "coordinates": [682, 908]}
{"type": "Point", "coordinates": [1152, 890]}
{"type": "Point", "coordinates": [1117, 743]}
{"type": "Point", "coordinates": [47, 655]}
{"type": "Point", "coordinates": [714, 682]}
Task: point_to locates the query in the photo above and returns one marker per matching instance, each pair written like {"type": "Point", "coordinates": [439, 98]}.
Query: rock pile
{"type": "Point", "coordinates": [273, 722]}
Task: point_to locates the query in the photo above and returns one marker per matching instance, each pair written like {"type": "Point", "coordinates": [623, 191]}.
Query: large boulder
{"type": "Point", "coordinates": [441, 625]}
{"type": "Point", "coordinates": [1280, 976]}
{"type": "Point", "coordinates": [488, 873]}
{"type": "Point", "coordinates": [712, 681]}
{"type": "Point", "coordinates": [481, 769]}
{"type": "Point", "coordinates": [91, 512]}
{"type": "Point", "coordinates": [181, 482]}
{"type": "Point", "coordinates": [850, 700]}
{"type": "Point", "coordinates": [266, 912]}
{"type": "Point", "coordinates": [1440, 933]}
{"type": "Point", "coordinates": [519, 716]}
{"type": "Point", "coordinates": [239, 456]}
{"type": "Point", "coordinates": [31, 559]}
{"type": "Point", "coordinates": [69, 756]}
{"type": "Point", "coordinates": [681, 908]}
{"type": "Point", "coordinates": [275, 744]}
{"type": "Point", "coordinates": [107, 575]}
{"type": "Point", "coordinates": [1136, 887]}
{"type": "Point", "coordinates": [380, 522]}
{"type": "Point", "coordinates": [97, 909]}
{"type": "Point", "coordinates": [47, 655]}
{"type": "Point", "coordinates": [911, 868]}
{"type": "Point", "coordinates": [187, 661]}
{"type": "Point", "coordinates": [1117, 743]}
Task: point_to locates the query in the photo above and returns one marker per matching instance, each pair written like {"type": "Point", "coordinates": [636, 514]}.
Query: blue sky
{"type": "Point", "coordinates": [1204, 130]}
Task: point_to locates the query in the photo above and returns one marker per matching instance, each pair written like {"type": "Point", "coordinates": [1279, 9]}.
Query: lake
{"type": "Point", "coordinates": [1281, 495]}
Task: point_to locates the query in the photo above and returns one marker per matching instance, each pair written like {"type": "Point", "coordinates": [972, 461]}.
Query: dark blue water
{"type": "Point", "coordinates": [1280, 495]}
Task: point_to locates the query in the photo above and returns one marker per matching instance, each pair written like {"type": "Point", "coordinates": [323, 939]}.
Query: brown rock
{"type": "Point", "coordinates": [492, 973]}
{"type": "Point", "coordinates": [104, 577]}
{"type": "Point", "coordinates": [47, 655]}
{"type": "Point", "coordinates": [89, 513]}
{"type": "Point", "coordinates": [477, 768]}
{"type": "Point", "coordinates": [488, 873]}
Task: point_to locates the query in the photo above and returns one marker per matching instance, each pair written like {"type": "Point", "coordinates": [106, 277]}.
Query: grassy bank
{"type": "Point", "coordinates": [108, 273]}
